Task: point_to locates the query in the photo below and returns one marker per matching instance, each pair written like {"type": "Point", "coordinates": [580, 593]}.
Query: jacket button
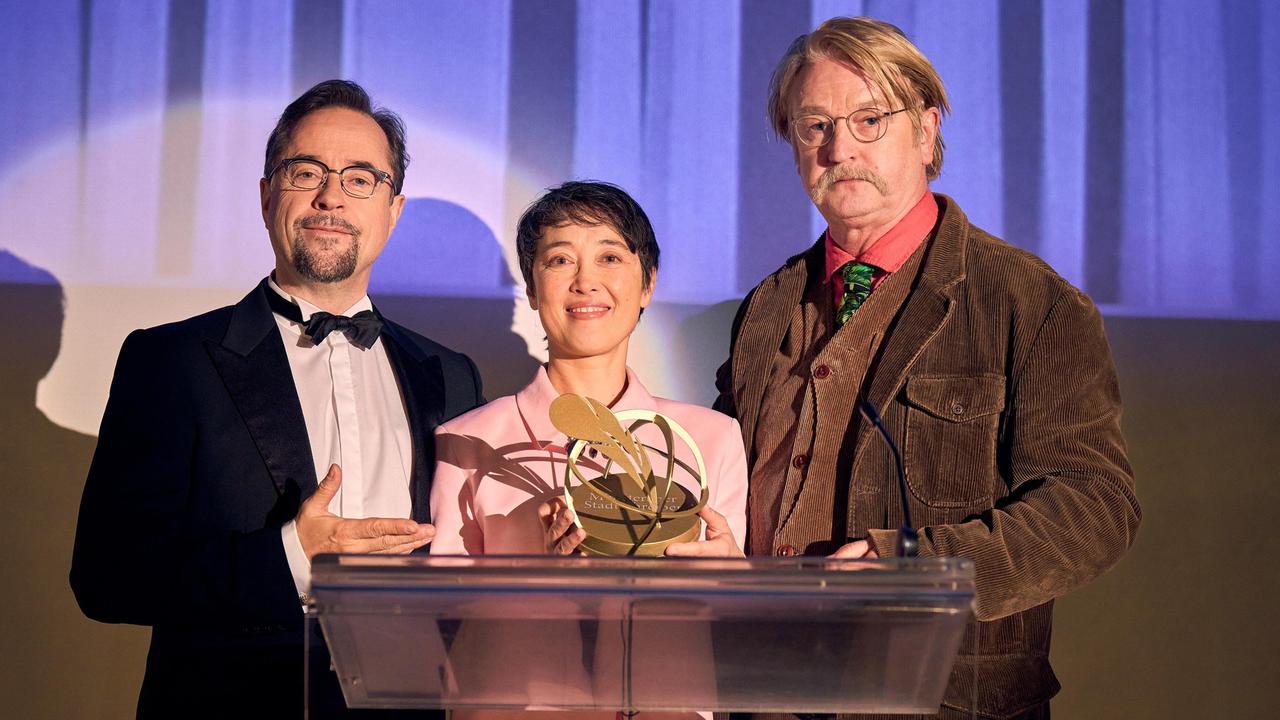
{"type": "Point", "coordinates": [786, 551]}
{"type": "Point", "coordinates": [957, 408]}
{"type": "Point", "coordinates": [800, 461]}
{"type": "Point", "coordinates": [822, 372]}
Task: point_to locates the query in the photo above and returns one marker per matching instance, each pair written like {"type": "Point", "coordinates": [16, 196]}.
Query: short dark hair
{"type": "Point", "coordinates": [586, 202]}
{"type": "Point", "coordinates": [343, 94]}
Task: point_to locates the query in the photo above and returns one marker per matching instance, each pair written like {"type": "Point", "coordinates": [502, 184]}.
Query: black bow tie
{"type": "Point", "coordinates": [362, 329]}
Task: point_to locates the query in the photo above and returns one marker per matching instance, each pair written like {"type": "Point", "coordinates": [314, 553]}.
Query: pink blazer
{"type": "Point", "coordinates": [496, 464]}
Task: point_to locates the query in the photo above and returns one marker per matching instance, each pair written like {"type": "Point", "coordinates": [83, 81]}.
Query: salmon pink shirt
{"type": "Point", "coordinates": [889, 252]}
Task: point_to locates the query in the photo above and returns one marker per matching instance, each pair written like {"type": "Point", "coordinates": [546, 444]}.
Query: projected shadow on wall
{"type": "Point", "coordinates": [703, 336]}
{"type": "Point", "coordinates": [44, 468]}
{"type": "Point", "coordinates": [443, 275]}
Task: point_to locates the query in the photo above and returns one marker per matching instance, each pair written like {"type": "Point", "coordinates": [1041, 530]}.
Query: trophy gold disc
{"type": "Point", "coordinates": [631, 508]}
{"type": "Point", "coordinates": [615, 530]}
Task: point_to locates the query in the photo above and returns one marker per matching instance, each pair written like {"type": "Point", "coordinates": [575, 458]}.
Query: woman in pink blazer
{"type": "Point", "coordinates": [589, 259]}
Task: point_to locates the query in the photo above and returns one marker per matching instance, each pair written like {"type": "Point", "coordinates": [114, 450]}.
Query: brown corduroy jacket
{"type": "Point", "coordinates": [997, 382]}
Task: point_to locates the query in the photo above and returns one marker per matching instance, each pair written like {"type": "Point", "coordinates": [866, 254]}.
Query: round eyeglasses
{"type": "Point", "coordinates": [867, 125]}
{"type": "Point", "coordinates": [358, 181]}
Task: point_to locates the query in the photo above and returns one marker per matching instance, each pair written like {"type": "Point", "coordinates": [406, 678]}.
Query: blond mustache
{"type": "Point", "coordinates": [837, 173]}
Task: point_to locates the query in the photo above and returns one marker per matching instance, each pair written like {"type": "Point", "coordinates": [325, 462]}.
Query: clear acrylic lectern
{"type": "Point", "coordinates": [766, 634]}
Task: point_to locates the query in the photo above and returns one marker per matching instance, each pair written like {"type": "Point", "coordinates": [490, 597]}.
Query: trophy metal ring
{"type": "Point", "coordinates": [633, 511]}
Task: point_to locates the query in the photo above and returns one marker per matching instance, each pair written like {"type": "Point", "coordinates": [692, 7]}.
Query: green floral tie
{"type": "Point", "coordinates": [857, 286]}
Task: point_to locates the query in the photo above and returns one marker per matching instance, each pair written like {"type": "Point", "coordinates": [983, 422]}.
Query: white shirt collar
{"type": "Point", "coordinates": [308, 309]}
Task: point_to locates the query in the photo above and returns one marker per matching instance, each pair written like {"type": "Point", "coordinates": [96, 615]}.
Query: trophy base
{"type": "Point", "coordinates": [616, 531]}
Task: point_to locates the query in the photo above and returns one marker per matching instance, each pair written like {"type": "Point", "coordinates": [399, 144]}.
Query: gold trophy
{"type": "Point", "coordinates": [628, 508]}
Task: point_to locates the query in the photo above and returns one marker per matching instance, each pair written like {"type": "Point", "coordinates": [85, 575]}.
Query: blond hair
{"type": "Point", "coordinates": [884, 56]}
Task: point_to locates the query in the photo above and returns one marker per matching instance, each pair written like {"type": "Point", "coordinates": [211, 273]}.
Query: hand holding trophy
{"type": "Point", "coordinates": [625, 507]}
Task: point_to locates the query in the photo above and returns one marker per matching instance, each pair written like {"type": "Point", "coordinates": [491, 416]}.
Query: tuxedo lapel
{"type": "Point", "coordinates": [252, 363]}
{"type": "Point", "coordinates": [421, 381]}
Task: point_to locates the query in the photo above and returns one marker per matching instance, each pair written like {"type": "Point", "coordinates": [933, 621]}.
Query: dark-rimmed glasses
{"type": "Point", "coordinates": [867, 125]}
{"type": "Point", "coordinates": [358, 181]}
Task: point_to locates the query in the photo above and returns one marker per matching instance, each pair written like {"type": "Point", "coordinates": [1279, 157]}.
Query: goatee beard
{"type": "Point", "coordinates": [319, 266]}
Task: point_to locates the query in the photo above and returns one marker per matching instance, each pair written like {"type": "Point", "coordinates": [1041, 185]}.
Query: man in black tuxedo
{"type": "Point", "coordinates": [201, 512]}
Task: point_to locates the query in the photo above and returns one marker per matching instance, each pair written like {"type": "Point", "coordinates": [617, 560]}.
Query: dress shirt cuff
{"type": "Point", "coordinates": [299, 565]}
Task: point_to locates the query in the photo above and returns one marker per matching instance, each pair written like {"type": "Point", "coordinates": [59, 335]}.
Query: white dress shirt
{"type": "Point", "coordinates": [355, 418]}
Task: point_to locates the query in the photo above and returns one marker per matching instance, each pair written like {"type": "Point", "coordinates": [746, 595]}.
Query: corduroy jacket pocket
{"type": "Point", "coordinates": [950, 446]}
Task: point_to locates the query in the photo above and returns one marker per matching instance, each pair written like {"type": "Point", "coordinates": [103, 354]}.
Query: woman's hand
{"type": "Point", "coordinates": [719, 540]}
{"type": "Point", "coordinates": [561, 536]}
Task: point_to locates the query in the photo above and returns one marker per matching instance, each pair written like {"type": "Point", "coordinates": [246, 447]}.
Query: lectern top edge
{"type": "Point", "coordinates": [718, 574]}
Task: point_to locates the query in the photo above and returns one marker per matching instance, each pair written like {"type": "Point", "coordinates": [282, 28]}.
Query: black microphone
{"type": "Point", "coordinates": [908, 544]}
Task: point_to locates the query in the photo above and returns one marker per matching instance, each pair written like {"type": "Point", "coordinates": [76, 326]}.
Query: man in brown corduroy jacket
{"type": "Point", "coordinates": [992, 373]}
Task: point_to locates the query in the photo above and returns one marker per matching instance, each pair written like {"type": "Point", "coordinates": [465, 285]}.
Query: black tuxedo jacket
{"type": "Point", "coordinates": [203, 455]}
